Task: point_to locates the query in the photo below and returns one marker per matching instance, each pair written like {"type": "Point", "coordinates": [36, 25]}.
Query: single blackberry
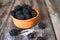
{"type": "Point", "coordinates": [27, 7]}
{"type": "Point", "coordinates": [41, 25]}
{"type": "Point", "coordinates": [19, 12]}
{"type": "Point", "coordinates": [21, 17]}
{"type": "Point", "coordinates": [24, 6]}
{"type": "Point", "coordinates": [33, 14]}
{"type": "Point", "coordinates": [12, 13]}
{"type": "Point", "coordinates": [28, 16]}
{"type": "Point", "coordinates": [31, 35]}
{"type": "Point", "coordinates": [15, 32]}
{"type": "Point", "coordinates": [25, 11]}
{"type": "Point", "coordinates": [17, 8]}
{"type": "Point", "coordinates": [40, 38]}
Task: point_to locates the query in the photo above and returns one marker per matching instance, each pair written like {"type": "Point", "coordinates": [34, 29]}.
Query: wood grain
{"type": "Point", "coordinates": [54, 17]}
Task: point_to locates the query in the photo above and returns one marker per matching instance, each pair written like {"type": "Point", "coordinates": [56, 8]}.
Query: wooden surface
{"type": "Point", "coordinates": [54, 12]}
{"type": "Point", "coordinates": [8, 25]}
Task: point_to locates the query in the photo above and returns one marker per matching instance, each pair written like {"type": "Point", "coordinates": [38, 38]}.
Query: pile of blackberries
{"type": "Point", "coordinates": [23, 12]}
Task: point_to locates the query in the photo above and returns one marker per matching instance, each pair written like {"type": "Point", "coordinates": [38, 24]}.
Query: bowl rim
{"type": "Point", "coordinates": [37, 12]}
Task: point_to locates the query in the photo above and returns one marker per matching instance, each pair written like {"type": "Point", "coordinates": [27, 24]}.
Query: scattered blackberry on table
{"type": "Point", "coordinates": [41, 25]}
{"type": "Point", "coordinates": [31, 35]}
{"type": "Point", "coordinates": [15, 32]}
{"type": "Point", "coordinates": [40, 38]}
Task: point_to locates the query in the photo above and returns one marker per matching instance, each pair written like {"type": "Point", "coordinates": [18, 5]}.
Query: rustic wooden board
{"type": "Point", "coordinates": [48, 32]}
{"type": "Point", "coordinates": [4, 11]}
{"type": "Point", "coordinates": [54, 12]}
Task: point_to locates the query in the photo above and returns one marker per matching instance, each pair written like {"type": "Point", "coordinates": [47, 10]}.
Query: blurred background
{"type": "Point", "coordinates": [52, 7]}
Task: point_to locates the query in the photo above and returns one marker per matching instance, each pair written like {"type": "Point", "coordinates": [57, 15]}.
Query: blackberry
{"type": "Point", "coordinates": [21, 17]}
{"type": "Point", "coordinates": [40, 38]}
{"type": "Point", "coordinates": [33, 14]}
{"type": "Point", "coordinates": [17, 8]}
{"type": "Point", "coordinates": [27, 7]}
{"type": "Point", "coordinates": [18, 13]}
{"type": "Point", "coordinates": [25, 11]}
{"type": "Point", "coordinates": [13, 32]}
{"type": "Point", "coordinates": [12, 13]}
{"type": "Point", "coordinates": [28, 16]}
{"type": "Point", "coordinates": [41, 25]}
{"type": "Point", "coordinates": [24, 6]}
{"type": "Point", "coordinates": [31, 35]}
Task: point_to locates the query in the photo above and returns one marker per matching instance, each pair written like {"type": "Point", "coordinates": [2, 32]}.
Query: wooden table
{"type": "Point", "coordinates": [46, 16]}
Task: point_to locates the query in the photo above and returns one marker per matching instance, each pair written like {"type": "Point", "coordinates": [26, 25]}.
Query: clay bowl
{"type": "Point", "coordinates": [24, 24]}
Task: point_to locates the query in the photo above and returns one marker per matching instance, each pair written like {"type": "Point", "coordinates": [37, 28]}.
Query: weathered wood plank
{"type": "Point", "coordinates": [4, 18]}
{"type": "Point", "coordinates": [45, 19]}
{"type": "Point", "coordinates": [54, 17]}
{"type": "Point", "coordinates": [7, 30]}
